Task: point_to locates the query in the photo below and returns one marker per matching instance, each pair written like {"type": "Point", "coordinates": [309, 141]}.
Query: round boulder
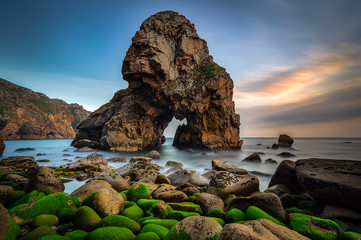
{"type": "Point", "coordinates": [44, 178]}
{"type": "Point", "coordinates": [153, 154]}
{"type": "Point", "coordinates": [285, 141]}
{"type": "Point", "coordinates": [89, 188]}
{"type": "Point", "coordinates": [114, 179]}
{"type": "Point", "coordinates": [209, 202]}
{"type": "Point", "coordinates": [182, 176]}
{"type": "Point", "coordinates": [172, 196]}
{"type": "Point", "coordinates": [24, 162]}
{"type": "Point", "coordinates": [286, 174]}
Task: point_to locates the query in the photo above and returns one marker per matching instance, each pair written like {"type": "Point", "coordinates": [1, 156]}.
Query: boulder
{"type": "Point", "coordinates": [336, 212]}
{"type": "Point", "coordinates": [23, 162]}
{"type": "Point", "coordinates": [161, 178]}
{"type": "Point", "coordinates": [164, 188]}
{"type": "Point", "coordinates": [334, 181]}
{"type": "Point", "coordinates": [120, 221]}
{"type": "Point", "coordinates": [140, 159]}
{"type": "Point", "coordinates": [91, 161]}
{"type": "Point", "coordinates": [44, 178]}
{"type": "Point", "coordinates": [278, 189]}
{"type": "Point", "coordinates": [89, 188]}
{"type": "Point", "coordinates": [15, 178]}
{"type": "Point", "coordinates": [259, 230]}
{"type": "Point", "coordinates": [138, 191]}
{"type": "Point", "coordinates": [172, 196]}
{"type": "Point", "coordinates": [270, 160]}
{"type": "Point", "coordinates": [226, 183]}
{"type": "Point", "coordinates": [195, 228]}
{"type": "Point", "coordinates": [182, 176]}
{"type": "Point", "coordinates": [150, 184]}
{"type": "Point", "coordinates": [2, 146]}
{"type": "Point", "coordinates": [86, 219]}
{"type": "Point", "coordinates": [170, 74]}
{"type": "Point", "coordinates": [285, 141]}
{"type": "Point", "coordinates": [133, 170]}
{"type": "Point", "coordinates": [286, 174]}
{"type": "Point", "coordinates": [208, 202]}
{"type": "Point", "coordinates": [114, 179]}
{"type": "Point", "coordinates": [85, 143]}
{"type": "Point", "coordinates": [117, 159]}
{"type": "Point", "coordinates": [274, 146]}
{"type": "Point", "coordinates": [111, 233]}
{"type": "Point", "coordinates": [219, 165]}
{"type": "Point", "coordinates": [149, 174]}
{"type": "Point", "coordinates": [153, 154]}
{"type": "Point", "coordinates": [6, 192]}
{"type": "Point", "coordinates": [253, 158]}
{"type": "Point", "coordinates": [286, 155]}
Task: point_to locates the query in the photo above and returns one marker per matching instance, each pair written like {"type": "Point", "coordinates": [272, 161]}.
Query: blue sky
{"type": "Point", "coordinates": [296, 64]}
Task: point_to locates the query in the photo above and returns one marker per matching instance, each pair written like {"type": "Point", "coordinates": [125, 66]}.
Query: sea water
{"type": "Point", "coordinates": [60, 152]}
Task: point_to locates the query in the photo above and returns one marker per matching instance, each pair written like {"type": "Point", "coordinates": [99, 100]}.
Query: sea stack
{"type": "Point", "coordinates": [170, 74]}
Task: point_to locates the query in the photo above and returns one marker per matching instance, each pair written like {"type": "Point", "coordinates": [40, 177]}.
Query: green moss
{"type": "Point", "coordinates": [133, 212]}
{"type": "Point", "coordinates": [216, 212]}
{"type": "Point", "coordinates": [186, 206]}
{"type": "Point", "coordinates": [255, 213]}
{"type": "Point", "coordinates": [66, 214]}
{"type": "Point", "coordinates": [180, 215]}
{"type": "Point", "coordinates": [86, 219]}
{"type": "Point", "coordinates": [141, 220]}
{"type": "Point", "coordinates": [76, 200]}
{"type": "Point", "coordinates": [77, 235]}
{"type": "Point", "coordinates": [138, 191]}
{"type": "Point", "coordinates": [120, 221]}
{"type": "Point", "coordinates": [168, 223]}
{"type": "Point", "coordinates": [350, 236]}
{"type": "Point", "coordinates": [44, 220]}
{"type": "Point", "coordinates": [114, 233]}
{"type": "Point", "coordinates": [28, 198]}
{"type": "Point", "coordinates": [158, 229]}
{"type": "Point", "coordinates": [53, 237]}
{"type": "Point", "coordinates": [47, 205]}
{"type": "Point", "coordinates": [147, 236]}
{"type": "Point", "coordinates": [161, 210]}
{"type": "Point", "coordinates": [128, 204]}
{"type": "Point", "coordinates": [192, 198]}
{"type": "Point", "coordinates": [314, 227]}
{"type": "Point", "coordinates": [38, 233]}
{"type": "Point", "coordinates": [124, 194]}
{"type": "Point", "coordinates": [14, 230]}
{"type": "Point", "coordinates": [146, 204]}
{"type": "Point", "coordinates": [219, 220]}
{"type": "Point", "coordinates": [15, 186]}
{"type": "Point", "coordinates": [235, 215]}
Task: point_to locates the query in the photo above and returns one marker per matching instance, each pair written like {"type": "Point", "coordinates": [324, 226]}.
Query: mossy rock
{"type": "Point", "coordinates": [216, 212]}
{"type": "Point", "coordinates": [161, 210]}
{"type": "Point", "coordinates": [128, 204]}
{"type": "Point", "coordinates": [219, 220]}
{"type": "Point", "coordinates": [17, 195]}
{"type": "Point", "coordinates": [66, 214]}
{"type": "Point", "coordinates": [147, 236]}
{"type": "Point", "coordinates": [53, 237]}
{"type": "Point", "coordinates": [15, 186]}
{"type": "Point", "coordinates": [235, 215]}
{"type": "Point", "coordinates": [44, 220]}
{"type": "Point", "coordinates": [192, 198]}
{"type": "Point", "coordinates": [64, 228]}
{"type": "Point", "coordinates": [141, 220]}
{"type": "Point", "coordinates": [124, 195]}
{"type": "Point", "coordinates": [350, 236]}
{"type": "Point", "coordinates": [76, 201]}
{"type": "Point", "coordinates": [289, 199]}
{"type": "Point", "coordinates": [168, 223]}
{"type": "Point", "coordinates": [120, 221]}
{"type": "Point", "coordinates": [13, 229]}
{"type": "Point", "coordinates": [297, 210]}
{"type": "Point", "coordinates": [255, 213]}
{"type": "Point", "coordinates": [138, 191]}
{"type": "Point", "coordinates": [114, 233]}
{"type": "Point", "coordinates": [28, 198]}
{"type": "Point", "coordinates": [186, 206]}
{"type": "Point", "coordinates": [356, 229]}
{"type": "Point", "coordinates": [50, 204]}
{"type": "Point", "coordinates": [158, 229]}
{"type": "Point", "coordinates": [133, 212]}
{"type": "Point", "coordinates": [146, 204]}
{"type": "Point", "coordinates": [38, 233]}
{"type": "Point", "coordinates": [86, 219]}
{"type": "Point", "coordinates": [180, 215]}
{"type": "Point", "coordinates": [314, 227]}
{"type": "Point", "coordinates": [77, 235]}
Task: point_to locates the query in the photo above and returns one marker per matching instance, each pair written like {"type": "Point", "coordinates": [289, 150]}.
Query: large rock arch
{"type": "Point", "coordinates": [170, 74]}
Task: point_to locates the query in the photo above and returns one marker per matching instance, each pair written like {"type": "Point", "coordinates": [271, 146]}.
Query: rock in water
{"type": "Point", "coordinates": [44, 178]}
{"type": "Point", "coordinates": [170, 74]}
{"type": "Point", "coordinates": [285, 141]}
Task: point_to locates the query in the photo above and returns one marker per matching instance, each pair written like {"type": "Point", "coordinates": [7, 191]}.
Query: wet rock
{"type": "Point", "coordinates": [253, 158]}
{"type": "Point", "coordinates": [43, 160]}
{"type": "Point", "coordinates": [343, 213]}
{"type": "Point", "coordinates": [174, 163]}
{"type": "Point", "coordinates": [24, 149]}
{"type": "Point", "coordinates": [163, 188]}
{"type": "Point", "coordinates": [85, 143]}
{"type": "Point", "coordinates": [91, 161]}
{"type": "Point", "coordinates": [162, 179]}
{"type": "Point", "coordinates": [274, 146]}
{"type": "Point", "coordinates": [149, 174]}
{"type": "Point", "coordinates": [285, 141]}
{"type": "Point", "coordinates": [85, 149]}
{"type": "Point", "coordinates": [24, 162]}
{"type": "Point", "coordinates": [153, 154]}
{"type": "Point", "coordinates": [278, 189]}
{"type": "Point", "coordinates": [15, 178]}
{"type": "Point", "coordinates": [286, 174]}
{"type": "Point", "coordinates": [209, 202]}
{"type": "Point", "coordinates": [182, 176]}
{"type": "Point", "coordinates": [190, 191]}
{"type": "Point", "coordinates": [140, 159]}
{"type": "Point", "coordinates": [83, 176]}
{"type": "Point", "coordinates": [172, 196]}
{"type": "Point", "coordinates": [258, 230]}
{"type": "Point", "coordinates": [89, 188]}
{"type": "Point", "coordinates": [150, 184]}
{"type": "Point", "coordinates": [270, 160]}
{"type": "Point", "coordinates": [220, 165]}
{"type": "Point", "coordinates": [286, 155]}
{"type": "Point", "coordinates": [133, 170]}
{"type": "Point", "coordinates": [334, 181]}
{"type": "Point", "coordinates": [105, 168]}
{"type": "Point", "coordinates": [226, 183]}
{"type": "Point", "coordinates": [115, 180]}
{"type": "Point", "coordinates": [117, 159]}
{"type": "Point", "coordinates": [44, 178]}
{"type": "Point", "coordinates": [6, 192]}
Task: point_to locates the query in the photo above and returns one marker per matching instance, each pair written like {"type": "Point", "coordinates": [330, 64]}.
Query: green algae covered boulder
{"type": "Point", "coordinates": [28, 198]}
{"type": "Point", "coordinates": [220, 221]}
{"type": "Point", "coordinates": [77, 235]}
{"type": "Point", "coordinates": [120, 221]}
{"type": "Point", "coordinates": [350, 236]}
{"type": "Point", "coordinates": [180, 215]}
{"type": "Point", "coordinates": [314, 227]}
{"type": "Point", "coordinates": [160, 209]}
{"type": "Point", "coordinates": [44, 220]}
{"type": "Point", "coordinates": [50, 204]}
{"type": "Point", "coordinates": [186, 206]}
{"type": "Point", "coordinates": [53, 237]}
{"type": "Point", "coordinates": [255, 213]}
{"type": "Point", "coordinates": [141, 220]}
{"type": "Point", "coordinates": [168, 223]}
{"type": "Point", "coordinates": [86, 219]}
{"type": "Point", "coordinates": [216, 212]}
{"type": "Point", "coordinates": [124, 195]}
{"type": "Point", "coordinates": [17, 195]}
{"type": "Point", "coordinates": [128, 204]}
{"type": "Point", "coordinates": [235, 215]}
{"type": "Point", "coordinates": [133, 212]}
{"type": "Point", "coordinates": [38, 233]}
{"type": "Point", "coordinates": [113, 233]}
{"type": "Point", "coordinates": [147, 236]}
{"type": "Point", "coordinates": [158, 229]}
{"type": "Point", "coordinates": [8, 229]}
{"type": "Point", "coordinates": [138, 191]}
{"type": "Point", "coordinates": [66, 214]}
{"type": "Point", "coordinates": [146, 204]}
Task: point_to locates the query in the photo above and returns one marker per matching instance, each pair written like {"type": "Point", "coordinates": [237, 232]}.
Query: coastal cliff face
{"type": "Point", "coordinates": [25, 114]}
{"type": "Point", "coordinates": [170, 74]}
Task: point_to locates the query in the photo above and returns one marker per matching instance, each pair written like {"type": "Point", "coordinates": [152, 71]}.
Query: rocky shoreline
{"type": "Point", "coordinates": [306, 199]}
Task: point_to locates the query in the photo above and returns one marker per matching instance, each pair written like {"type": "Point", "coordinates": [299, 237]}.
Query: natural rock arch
{"type": "Point", "coordinates": [170, 74]}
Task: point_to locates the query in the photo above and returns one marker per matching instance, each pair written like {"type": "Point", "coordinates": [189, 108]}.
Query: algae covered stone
{"type": "Point", "coordinates": [66, 214]}
{"type": "Point", "coordinates": [314, 227]}
{"type": "Point", "coordinates": [195, 228]}
{"type": "Point", "coordinates": [186, 206]}
{"type": "Point", "coordinates": [38, 233]}
{"type": "Point", "coordinates": [86, 219]}
{"type": "Point", "coordinates": [8, 229]}
{"type": "Point", "coordinates": [145, 204]}
{"type": "Point", "coordinates": [158, 229]}
{"type": "Point", "coordinates": [216, 212]}
{"type": "Point", "coordinates": [53, 237]}
{"type": "Point", "coordinates": [350, 236]}
{"type": "Point", "coordinates": [133, 212]}
{"type": "Point", "coordinates": [235, 215]}
{"type": "Point", "coordinates": [180, 215]}
{"type": "Point", "coordinates": [28, 198]}
{"type": "Point", "coordinates": [255, 213]}
{"type": "Point", "coordinates": [168, 223]}
{"type": "Point", "coordinates": [44, 220]}
{"type": "Point", "coordinates": [120, 221]}
{"type": "Point", "coordinates": [138, 191]}
{"type": "Point", "coordinates": [147, 236]}
{"type": "Point", "coordinates": [220, 221]}
{"type": "Point", "coordinates": [77, 235]}
{"type": "Point", "coordinates": [161, 210]}
{"type": "Point", "coordinates": [114, 233]}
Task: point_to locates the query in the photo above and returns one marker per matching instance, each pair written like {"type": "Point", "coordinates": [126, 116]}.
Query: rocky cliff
{"type": "Point", "coordinates": [25, 114]}
{"type": "Point", "coordinates": [170, 74]}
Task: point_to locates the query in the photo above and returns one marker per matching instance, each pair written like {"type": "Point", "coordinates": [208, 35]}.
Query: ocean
{"type": "Point", "coordinates": [60, 152]}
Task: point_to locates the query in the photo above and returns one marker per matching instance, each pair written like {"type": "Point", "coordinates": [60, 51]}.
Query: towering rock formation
{"type": "Point", "coordinates": [170, 74]}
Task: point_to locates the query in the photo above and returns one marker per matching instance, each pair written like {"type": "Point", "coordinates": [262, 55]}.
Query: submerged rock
{"type": "Point", "coordinates": [253, 158]}
{"type": "Point", "coordinates": [170, 74]}
{"type": "Point", "coordinates": [285, 141]}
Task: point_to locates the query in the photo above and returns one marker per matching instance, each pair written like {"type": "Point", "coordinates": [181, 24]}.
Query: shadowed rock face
{"type": "Point", "coordinates": [170, 74]}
